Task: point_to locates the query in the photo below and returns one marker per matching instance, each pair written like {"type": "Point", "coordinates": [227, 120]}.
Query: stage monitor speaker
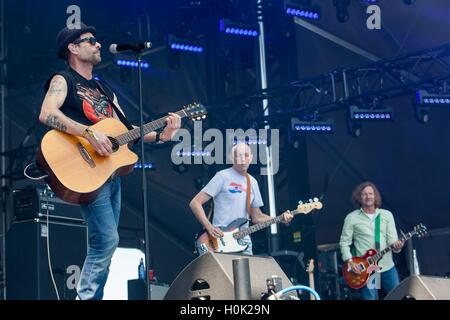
{"type": "Point", "coordinates": [421, 288]}
{"type": "Point", "coordinates": [27, 272]}
{"type": "Point", "coordinates": [210, 277]}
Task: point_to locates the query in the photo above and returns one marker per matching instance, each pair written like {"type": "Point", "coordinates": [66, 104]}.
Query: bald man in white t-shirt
{"type": "Point", "coordinates": [229, 190]}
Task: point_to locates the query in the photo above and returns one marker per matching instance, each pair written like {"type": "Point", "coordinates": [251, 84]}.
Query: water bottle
{"type": "Point", "coordinates": [141, 270]}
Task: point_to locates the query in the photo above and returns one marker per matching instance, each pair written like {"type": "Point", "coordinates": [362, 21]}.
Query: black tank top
{"type": "Point", "coordinates": [85, 103]}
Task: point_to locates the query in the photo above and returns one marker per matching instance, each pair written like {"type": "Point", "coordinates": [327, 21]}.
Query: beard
{"type": "Point", "coordinates": [93, 58]}
{"type": "Point", "coordinates": [96, 59]}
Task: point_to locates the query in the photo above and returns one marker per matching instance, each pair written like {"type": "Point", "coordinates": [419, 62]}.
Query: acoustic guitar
{"type": "Point", "coordinates": [76, 172]}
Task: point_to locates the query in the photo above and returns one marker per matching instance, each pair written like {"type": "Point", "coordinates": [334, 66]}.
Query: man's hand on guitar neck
{"type": "Point", "coordinates": [99, 141]}
{"type": "Point", "coordinates": [398, 245]}
{"type": "Point", "coordinates": [173, 123]}
{"type": "Point", "coordinates": [287, 217]}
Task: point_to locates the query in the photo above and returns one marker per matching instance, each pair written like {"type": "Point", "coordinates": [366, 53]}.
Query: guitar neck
{"type": "Point", "coordinates": [311, 285]}
{"type": "Point", "coordinates": [135, 133]}
{"type": "Point", "coordinates": [380, 254]}
{"type": "Point", "coordinates": [260, 226]}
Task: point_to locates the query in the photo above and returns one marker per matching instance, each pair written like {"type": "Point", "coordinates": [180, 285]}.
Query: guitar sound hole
{"type": "Point", "coordinates": [115, 144]}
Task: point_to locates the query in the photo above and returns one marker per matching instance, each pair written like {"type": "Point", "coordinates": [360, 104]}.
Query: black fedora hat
{"type": "Point", "coordinates": [68, 35]}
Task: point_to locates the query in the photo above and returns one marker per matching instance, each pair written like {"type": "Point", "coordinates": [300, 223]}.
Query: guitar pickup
{"type": "Point", "coordinates": [86, 156]}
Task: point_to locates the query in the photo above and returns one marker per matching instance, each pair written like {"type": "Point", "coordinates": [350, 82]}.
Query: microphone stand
{"type": "Point", "coordinates": [144, 180]}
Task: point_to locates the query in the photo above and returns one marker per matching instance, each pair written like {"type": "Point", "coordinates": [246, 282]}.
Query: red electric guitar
{"type": "Point", "coordinates": [368, 263]}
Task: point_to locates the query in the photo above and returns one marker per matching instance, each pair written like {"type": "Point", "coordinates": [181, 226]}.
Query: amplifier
{"type": "Point", "coordinates": [33, 202]}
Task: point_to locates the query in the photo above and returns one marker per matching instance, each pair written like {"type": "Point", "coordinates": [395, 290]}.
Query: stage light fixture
{"type": "Point", "coordinates": [238, 29]}
{"type": "Point", "coordinates": [371, 114]}
{"type": "Point", "coordinates": [147, 165]}
{"type": "Point", "coordinates": [188, 45]}
{"type": "Point", "coordinates": [131, 63]}
{"type": "Point", "coordinates": [425, 98]}
{"type": "Point", "coordinates": [312, 125]}
{"type": "Point", "coordinates": [304, 9]}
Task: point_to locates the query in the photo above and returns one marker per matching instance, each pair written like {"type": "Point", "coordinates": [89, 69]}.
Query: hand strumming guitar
{"type": "Point", "coordinates": [99, 141]}
{"type": "Point", "coordinates": [214, 232]}
{"type": "Point", "coordinates": [354, 266]}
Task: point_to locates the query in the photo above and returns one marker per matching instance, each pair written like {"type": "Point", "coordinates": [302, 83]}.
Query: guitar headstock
{"type": "Point", "coordinates": [195, 111]}
{"type": "Point", "coordinates": [310, 266]}
{"type": "Point", "coordinates": [420, 230]}
{"type": "Point", "coordinates": [309, 206]}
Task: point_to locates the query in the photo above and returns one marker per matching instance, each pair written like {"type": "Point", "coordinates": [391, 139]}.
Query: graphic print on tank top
{"type": "Point", "coordinates": [96, 106]}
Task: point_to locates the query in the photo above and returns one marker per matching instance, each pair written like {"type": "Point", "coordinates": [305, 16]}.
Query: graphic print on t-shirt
{"type": "Point", "coordinates": [236, 188]}
{"type": "Point", "coordinates": [96, 106]}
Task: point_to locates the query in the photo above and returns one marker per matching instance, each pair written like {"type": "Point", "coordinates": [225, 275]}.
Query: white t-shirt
{"type": "Point", "coordinates": [229, 190]}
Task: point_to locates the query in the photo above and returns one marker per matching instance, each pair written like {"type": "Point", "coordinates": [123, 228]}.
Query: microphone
{"type": "Point", "coordinates": [115, 48]}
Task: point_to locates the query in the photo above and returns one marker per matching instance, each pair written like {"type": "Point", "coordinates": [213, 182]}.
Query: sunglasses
{"type": "Point", "coordinates": [91, 40]}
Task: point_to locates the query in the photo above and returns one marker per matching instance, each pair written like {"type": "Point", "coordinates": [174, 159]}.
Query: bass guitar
{"type": "Point", "coordinates": [229, 242]}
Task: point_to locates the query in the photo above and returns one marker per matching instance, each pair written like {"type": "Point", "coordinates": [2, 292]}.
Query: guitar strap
{"type": "Point", "coordinates": [249, 191]}
{"type": "Point", "coordinates": [377, 231]}
{"type": "Point", "coordinates": [116, 109]}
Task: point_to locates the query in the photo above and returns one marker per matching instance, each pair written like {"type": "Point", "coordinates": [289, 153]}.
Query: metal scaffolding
{"type": "Point", "coordinates": [338, 89]}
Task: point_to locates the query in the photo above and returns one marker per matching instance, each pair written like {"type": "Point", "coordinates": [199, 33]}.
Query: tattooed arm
{"type": "Point", "coordinates": [53, 101]}
{"type": "Point", "coordinates": [52, 116]}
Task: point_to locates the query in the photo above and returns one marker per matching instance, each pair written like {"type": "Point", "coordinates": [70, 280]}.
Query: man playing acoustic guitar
{"type": "Point", "coordinates": [232, 197]}
{"type": "Point", "coordinates": [73, 102]}
{"type": "Point", "coordinates": [360, 229]}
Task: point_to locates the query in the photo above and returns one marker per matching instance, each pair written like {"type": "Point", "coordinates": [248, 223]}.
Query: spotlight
{"type": "Point", "coordinates": [249, 141]}
{"type": "Point", "coordinates": [303, 9]}
{"type": "Point", "coordinates": [378, 114]}
{"type": "Point", "coordinates": [132, 64]}
{"type": "Point", "coordinates": [313, 125]}
{"type": "Point", "coordinates": [426, 98]}
{"type": "Point", "coordinates": [342, 10]}
{"type": "Point", "coordinates": [147, 165]}
{"type": "Point", "coordinates": [179, 44]}
{"type": "Point", "coordinates": [238, 29]}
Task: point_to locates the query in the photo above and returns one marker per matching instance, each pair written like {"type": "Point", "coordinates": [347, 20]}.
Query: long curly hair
{"type": "Point", "coordinates": [356, 195]}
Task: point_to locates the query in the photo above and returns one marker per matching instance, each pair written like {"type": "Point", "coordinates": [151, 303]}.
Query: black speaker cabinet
{"type": "Point", "coordinates": [27, 271]}
{"type": "Point", "coordinates": [210, 277]}
{"type": "Point", "coordinates": [421, 288]}
{"type": "Point", "coordinates": [36, 201]}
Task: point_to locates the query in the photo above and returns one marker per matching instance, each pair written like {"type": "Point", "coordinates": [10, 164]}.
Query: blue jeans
{"type": "Point", "coordinates": [389, 280]}
{"type": "Point", "coordinates": [102, 219]}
